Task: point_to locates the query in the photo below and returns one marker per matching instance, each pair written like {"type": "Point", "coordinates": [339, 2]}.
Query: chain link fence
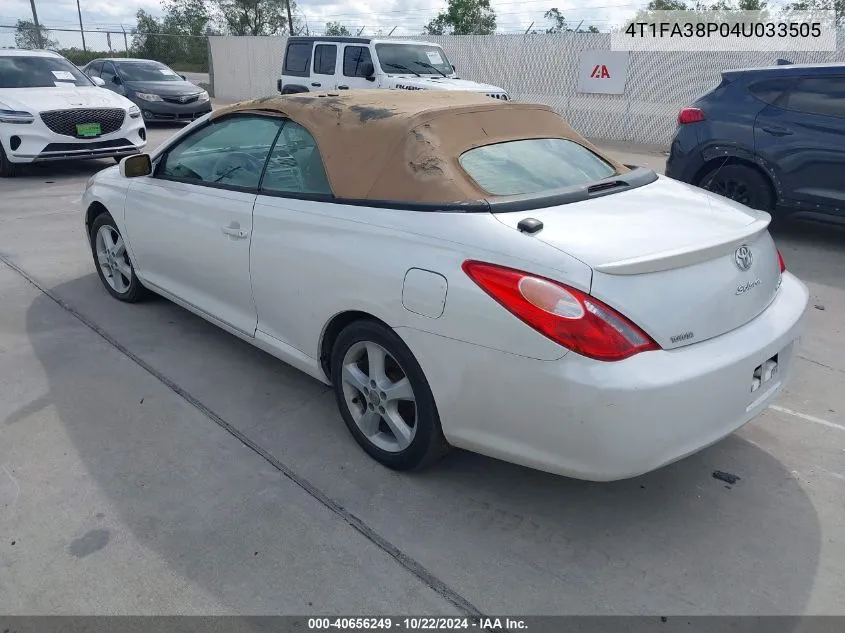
{"type": "Point", "coordinates": [540, 68]}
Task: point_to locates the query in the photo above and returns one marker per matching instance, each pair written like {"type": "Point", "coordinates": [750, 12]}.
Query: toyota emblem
{"type": "Point", "coordinates": [743, 258]}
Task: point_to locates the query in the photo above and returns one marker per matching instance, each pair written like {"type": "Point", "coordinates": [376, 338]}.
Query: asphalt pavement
{"type": "Point", "coordinates": [152, 464]}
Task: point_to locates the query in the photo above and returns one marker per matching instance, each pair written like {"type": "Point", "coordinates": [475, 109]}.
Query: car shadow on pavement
{"type": "Point", "coordinates": [508, 539]}
{"type": "Point", "coordinates": [60, 170]}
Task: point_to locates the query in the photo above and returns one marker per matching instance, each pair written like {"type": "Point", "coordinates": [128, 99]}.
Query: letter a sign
{"type": "Point", "coordinates": [603, 72]}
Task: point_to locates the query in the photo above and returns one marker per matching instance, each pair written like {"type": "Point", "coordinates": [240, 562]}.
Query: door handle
{"type": "Point", "coordinates": [343, 87]}
{"type": "Point", "coordinates": [234, 230]}
{"type": "Point", "coordinates": [316, 84]}
{"type": "Point", "coordinates": [777, 131]}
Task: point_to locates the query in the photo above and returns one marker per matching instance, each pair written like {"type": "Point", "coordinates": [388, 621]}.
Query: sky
{"type": "Point", "coordinates": [408, 17]}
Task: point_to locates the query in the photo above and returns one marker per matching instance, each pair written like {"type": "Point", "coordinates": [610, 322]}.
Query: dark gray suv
{"type": "Point", "coordinates": [772, 138]}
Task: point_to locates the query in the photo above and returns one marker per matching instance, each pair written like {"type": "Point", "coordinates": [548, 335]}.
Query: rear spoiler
{"type": "Point", "coordinates": [685, 256]}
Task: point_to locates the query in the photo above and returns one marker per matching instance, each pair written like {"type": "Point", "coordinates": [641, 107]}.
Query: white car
{"type": "Point", "coordinates": [465, 272]}
{"type": "Point", "coordinates": [314, 64]}
{"type": "Point", "coordinates": [49, 110]}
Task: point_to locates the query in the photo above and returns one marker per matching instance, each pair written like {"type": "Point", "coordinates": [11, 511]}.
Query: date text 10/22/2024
{"type": "Point", "coordinates": [416, 624]}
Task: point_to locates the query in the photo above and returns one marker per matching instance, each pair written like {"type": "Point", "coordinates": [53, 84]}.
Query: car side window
{"type": "Point", "coordinates": [325, 59]}
{"type": "Point", "coordinates": [354, 60]}
{"type": "Point", "coordinates": [297, 58]}
{"type": "Point", "coordinates": [230, 152]}
{"type": "Point", "coordinates": [94, 69]}
{"type": "Point", "coordinates": [817, 95]}
{"type": "Point", "coordinates": [769, 90]}
{"type": "Point", "coordinates": [108, 73]}
{"type": "Point", "coordinates": [295, 164]}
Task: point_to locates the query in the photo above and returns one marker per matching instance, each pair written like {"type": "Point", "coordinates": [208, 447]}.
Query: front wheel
{"type": "Point", "coordinates": [112, 261]}
{"type": "Point", "coordinates": [384, 397]}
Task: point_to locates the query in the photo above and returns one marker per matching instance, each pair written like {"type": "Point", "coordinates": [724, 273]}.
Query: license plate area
{"type": "Point", "coordinates": [765, 374]}
{"type": "Point", "coordinates": [88, 130]}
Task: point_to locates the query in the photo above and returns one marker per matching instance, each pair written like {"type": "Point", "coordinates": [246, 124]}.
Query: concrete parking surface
{"type": "Point", "coordinates": [151, 463]}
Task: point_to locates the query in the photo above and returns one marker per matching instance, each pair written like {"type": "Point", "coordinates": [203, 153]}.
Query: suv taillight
{"type": "Point", "coordinates": [690, 115]}
{"type": "Point", "coordinates": [567, 316]}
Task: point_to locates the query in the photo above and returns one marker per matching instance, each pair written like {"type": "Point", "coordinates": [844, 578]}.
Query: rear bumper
{"type": "Point", "coordinates": [685, 161]}
{"type": "Point", "coordinates": [607, 421]}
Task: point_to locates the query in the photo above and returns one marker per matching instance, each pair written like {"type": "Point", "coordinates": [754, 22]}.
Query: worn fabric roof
{"type": "Point", "coordinates": [404, 145]}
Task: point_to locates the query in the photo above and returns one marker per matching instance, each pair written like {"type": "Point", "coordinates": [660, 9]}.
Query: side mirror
{"type": "Point", "coordinates": [368, 71]}
{"type": "Point", "coordinates": [183, 77]}
{"type": "Point", "coordinates": [116, 80]}
{"type": "Point", "coordinates": [98, 81]}
{"type": "Point", "coordinates": [136, 165]}
{"type": "Point", "coordinates": [454, 68]}
{"type": "Point", "coordinates": [279, 85]}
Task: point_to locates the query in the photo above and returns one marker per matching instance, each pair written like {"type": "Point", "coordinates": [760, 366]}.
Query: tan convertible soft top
{"type": "Point", "coordinates": [404, 145]}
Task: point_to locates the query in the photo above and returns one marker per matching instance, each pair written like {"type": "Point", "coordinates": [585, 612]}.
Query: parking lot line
{"type": "Point", "coordinates": [809, 418]}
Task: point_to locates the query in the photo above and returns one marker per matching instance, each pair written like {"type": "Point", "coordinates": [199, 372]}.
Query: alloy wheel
{"type": "Point", "coordinates": [729, 188]}
{"type": "Point", "coordinates": [379, 396]}
{"type": "Point", "coordinates": [113, 259]}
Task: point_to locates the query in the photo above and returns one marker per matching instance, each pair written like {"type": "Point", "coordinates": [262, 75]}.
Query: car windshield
{"type": "Point", "coordinates": [533, 166]}
{"type": "Point", "coordinates": [147, 71]}
{"type": "Point", "coordinates": [39, 72]}
{"type": "Point", "coordinates": [420, 59]}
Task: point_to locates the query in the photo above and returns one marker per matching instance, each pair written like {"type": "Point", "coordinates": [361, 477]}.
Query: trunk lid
{"type": "Point", "coordinates": [667, 256]}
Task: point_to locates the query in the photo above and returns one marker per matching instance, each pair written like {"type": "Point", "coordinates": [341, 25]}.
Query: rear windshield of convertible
{"type": "Point", "coordinates": [534, 166]}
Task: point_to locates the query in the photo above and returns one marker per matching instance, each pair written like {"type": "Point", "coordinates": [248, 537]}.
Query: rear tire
{"type": "Point", "coordinates": [742, 184]}
{"type": "Point", "coordinates": [7, 169]}
{"type": "Point", "coordinates": [384, 397]}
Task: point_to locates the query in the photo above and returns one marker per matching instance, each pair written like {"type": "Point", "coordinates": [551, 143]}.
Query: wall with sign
{"type": "Point", "coordinates": [633, 97]}
{"type": "Point", "coordinates": [603, 72]}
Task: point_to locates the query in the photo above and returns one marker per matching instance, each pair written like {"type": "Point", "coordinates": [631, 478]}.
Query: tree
{"type": "Point", "coordinates": [464, 17]}
{"type": "Point", "coordinates": [254, 17]}
{"type": "Point", "coordinates": [150, 40]}
{"type": "Point", "coordinates": [27, 37]}
{"type": "Point", "coordinates": [837, 6]}
{"type": "Point", "coordinates": [337, 29]}
{"type": "Point", "coordinates": [559, 24]}
{"type": "Point", "coordinates": [558, 21]}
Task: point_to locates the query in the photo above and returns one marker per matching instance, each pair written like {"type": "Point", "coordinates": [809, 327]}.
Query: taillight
{"type": "Point", "coordinates": [567, 316]}
{"type": "Point", "coordinates": [781, 262]}
{"type": "Point", "coordinates": [690, 115]}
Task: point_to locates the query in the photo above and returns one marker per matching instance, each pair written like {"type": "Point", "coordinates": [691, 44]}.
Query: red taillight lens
{"type": "Point", "coordinates": [781, 262]}
{"type": "Point", "coordinates": [690, 115]}
{"type": "Point", "coordinates": [567, 316]}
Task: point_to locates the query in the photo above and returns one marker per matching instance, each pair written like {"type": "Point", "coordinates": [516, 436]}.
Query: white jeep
{"type": "Point", "coordinates": [344, 63]}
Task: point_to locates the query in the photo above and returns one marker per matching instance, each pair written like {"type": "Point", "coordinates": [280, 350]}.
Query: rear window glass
{"type": "Point", "coordinates": [533, 166]}
{"type": "Point", "coordinates": [769, 90]}
{"type": "Point", "coordinates": [297, 58]}
{"type": "Point", "coordinates": [325, 58]}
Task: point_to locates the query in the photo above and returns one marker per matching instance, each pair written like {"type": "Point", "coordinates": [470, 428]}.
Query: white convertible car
{"type": "Point", "coordinates": [465, 272]}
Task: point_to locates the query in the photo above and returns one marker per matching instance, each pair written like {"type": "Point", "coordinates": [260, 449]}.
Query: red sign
{"type": "Point", "coordinates": [600, 72]}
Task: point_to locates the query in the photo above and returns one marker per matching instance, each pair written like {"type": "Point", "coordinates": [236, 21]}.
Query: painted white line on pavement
{"type": "Point", "coordinates": [809, 418]}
